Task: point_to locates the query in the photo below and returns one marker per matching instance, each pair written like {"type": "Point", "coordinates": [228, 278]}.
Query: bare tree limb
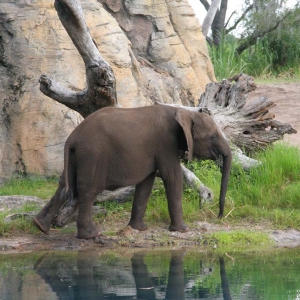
{"type": "Point", "coordinates": [205, 194]}
{"type": "Point", "coordinates": [217, 26]}
{"type": "Point", "coordinates": [239, 20]}
{"type": "Point", "coordinates": [205, 4]}
{"type": "Point", "coordinates": [210, 16]}
{"type": "Point", "coordinates": [101, 82]}
{"type": "Point", "coordinates": [251, 40]}
{"type": "Point", "coordinates": [227, 22]}
{"type": "Point", "coordinates": [70, 209]}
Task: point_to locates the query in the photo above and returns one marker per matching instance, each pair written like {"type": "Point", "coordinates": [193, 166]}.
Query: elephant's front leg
{"type": "Point", "coordinates": [173, 182]}
{"type": "Point", "coordinates": [141, 196]}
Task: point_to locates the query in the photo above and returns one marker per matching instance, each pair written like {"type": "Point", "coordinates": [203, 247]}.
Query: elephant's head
{"type": "Point", "coordinates": [205, 141]}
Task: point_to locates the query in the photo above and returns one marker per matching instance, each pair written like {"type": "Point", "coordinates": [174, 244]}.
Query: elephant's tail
{"type": "Point", "coordinates": [69, 174]}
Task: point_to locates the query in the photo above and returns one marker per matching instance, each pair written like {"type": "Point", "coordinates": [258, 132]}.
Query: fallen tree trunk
{"type": "Point", "coordinates": [249, 126]}
{"type": "Point", "coordinates": [70, 209]}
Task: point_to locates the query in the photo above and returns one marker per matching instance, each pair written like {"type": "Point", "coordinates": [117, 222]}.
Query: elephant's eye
{"type": "Point", "coordinates": [214, 137]}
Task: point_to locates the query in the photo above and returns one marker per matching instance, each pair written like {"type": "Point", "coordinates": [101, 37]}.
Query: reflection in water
{"type": "Point", "coordinates": [224, 281]}
{"type": "Point", "coordinates": [143, 283]}
{"type": "Point", "coordinates": [175, 287]}
{"type": "Point", "coordinates": [174, 274]}
{"type": "Point", "coordinates": [86, 279]}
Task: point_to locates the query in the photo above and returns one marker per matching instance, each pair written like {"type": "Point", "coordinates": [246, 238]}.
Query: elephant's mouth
{"type": "Point", "coordinates": [215, 153]}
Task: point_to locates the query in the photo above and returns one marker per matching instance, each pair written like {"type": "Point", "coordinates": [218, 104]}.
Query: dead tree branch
{"type": "Point", "coordinates": [101, 82]}
{"type": "Point", "coordinates": [249, 126]}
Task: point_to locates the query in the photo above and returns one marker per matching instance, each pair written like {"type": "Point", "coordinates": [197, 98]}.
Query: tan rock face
{"type": "Point", "coordinates": [155, 48]}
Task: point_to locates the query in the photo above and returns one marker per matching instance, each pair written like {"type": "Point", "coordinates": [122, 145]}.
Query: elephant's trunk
{"type": "Point", "coordinates": [224, 183]}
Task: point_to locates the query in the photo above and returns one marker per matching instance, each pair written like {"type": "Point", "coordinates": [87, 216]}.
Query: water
{"type": "Point", "coordinates": [161, 274]}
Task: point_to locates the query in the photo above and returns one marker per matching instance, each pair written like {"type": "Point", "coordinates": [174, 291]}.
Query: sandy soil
{"type": "Point", "coordinates": [287, 99]}
{"type": "Point", "coordinates": [286, 96]}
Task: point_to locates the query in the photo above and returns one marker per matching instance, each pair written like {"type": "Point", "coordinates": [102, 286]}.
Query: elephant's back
{"type": "Point", "coordinates": [120, 124]}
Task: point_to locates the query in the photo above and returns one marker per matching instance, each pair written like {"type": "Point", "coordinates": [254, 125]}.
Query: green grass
{"type": "Point", "coordinates": [238, 238]}
{"type": "Point", "coordinates": [225, 61]}
{"type": "Point", "coordinates": [266, 195]}
{"type": "Point", "coordinates": [269, 193]}
{"type": "Point", "coordinates": [38, 186]}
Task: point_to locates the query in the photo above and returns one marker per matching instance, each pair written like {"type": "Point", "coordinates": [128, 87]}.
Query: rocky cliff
{"type": "Point", "coordinates": [156, 49]}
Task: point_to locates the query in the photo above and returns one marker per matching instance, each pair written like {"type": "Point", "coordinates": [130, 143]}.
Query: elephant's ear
{"type": "Point", "coordinates": [184, 118]}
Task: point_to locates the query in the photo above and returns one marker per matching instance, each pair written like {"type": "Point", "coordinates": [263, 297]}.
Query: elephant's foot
{"type": "Point", "coordinates": [88, 232]}
{"type": "Point", "coordinates": [182, 228]}
{"type": "Point", "coordinates": [42, 226]}
{"type": "Point", "coordinates": [138, 225]}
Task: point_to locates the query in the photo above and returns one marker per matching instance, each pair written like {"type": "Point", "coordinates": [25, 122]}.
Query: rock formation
{"type": "Point", "coordinates": [157, 52]}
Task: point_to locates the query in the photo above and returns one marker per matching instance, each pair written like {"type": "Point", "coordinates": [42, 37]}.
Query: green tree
{"type": "Point", "coordinates": [269, 32]}
{"type": "Point", "coordinates": [257, 18]}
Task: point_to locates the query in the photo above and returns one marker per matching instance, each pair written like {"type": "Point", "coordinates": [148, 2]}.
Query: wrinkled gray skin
{"type": "Point", "coordinates": [117, 147]}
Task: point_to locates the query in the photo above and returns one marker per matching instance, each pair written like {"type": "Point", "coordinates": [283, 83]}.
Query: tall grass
{"type": "Point", "coordinates": [225, 61]}
{"type": "Point", "coordinates": [274, 184]}
{"type": "Point", "coordinates": [269, 193]}
{"type": "Point", "coordinates": [270, 57]}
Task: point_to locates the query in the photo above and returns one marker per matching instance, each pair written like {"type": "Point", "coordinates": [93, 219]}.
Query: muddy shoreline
{"type": "Point", "coordinates": [120, 236]}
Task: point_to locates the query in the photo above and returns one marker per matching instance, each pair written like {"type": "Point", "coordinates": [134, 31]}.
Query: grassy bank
{"type": "Point", "coordinates": [267, 195]}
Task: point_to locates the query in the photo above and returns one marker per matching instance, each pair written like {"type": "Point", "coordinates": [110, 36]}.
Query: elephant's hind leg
{"type": "Point", "coordinates": [45, 217]}
{"type": "Point", "coordinates": [86, 228]}
{"type": "Point", "coordinates": [141, 196]}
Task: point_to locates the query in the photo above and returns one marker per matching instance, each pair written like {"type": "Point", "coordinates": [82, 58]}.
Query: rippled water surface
{"type": "Point", "coordinates": [161, 274]}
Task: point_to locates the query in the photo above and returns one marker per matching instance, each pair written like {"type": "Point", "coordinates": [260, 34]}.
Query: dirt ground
{"type": "Point", "coordinates": [287, 110]}
{"type": "Point", "coordinates": [286, 96]}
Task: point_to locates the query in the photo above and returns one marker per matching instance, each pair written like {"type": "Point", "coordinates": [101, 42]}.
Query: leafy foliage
{"type": "Point", "coordinates": [267, 44]}
{"type": "Point", "coordinates": [271, 57]}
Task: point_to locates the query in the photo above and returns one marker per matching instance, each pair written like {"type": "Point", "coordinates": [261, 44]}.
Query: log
{"type": "Point", "coordinates": [70, 210]}
{"type": "Point", "coordinates": [192, 181]}
{"type": "Point", "coordinates": [248, 125]}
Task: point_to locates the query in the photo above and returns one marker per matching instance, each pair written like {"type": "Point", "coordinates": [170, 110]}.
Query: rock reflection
{"type": "Point", "coordinates": [90, 275]}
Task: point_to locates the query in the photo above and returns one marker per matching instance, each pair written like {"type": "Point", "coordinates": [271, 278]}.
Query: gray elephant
{"type": "Point", "coordinates": [117, 147]}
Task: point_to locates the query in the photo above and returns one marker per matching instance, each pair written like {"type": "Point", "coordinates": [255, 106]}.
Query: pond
{"type": "Point", "coordinates": [142, 274]}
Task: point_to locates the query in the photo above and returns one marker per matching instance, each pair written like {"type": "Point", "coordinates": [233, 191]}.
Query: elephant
{"type": "Point", "coordinates": [117, 147]}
